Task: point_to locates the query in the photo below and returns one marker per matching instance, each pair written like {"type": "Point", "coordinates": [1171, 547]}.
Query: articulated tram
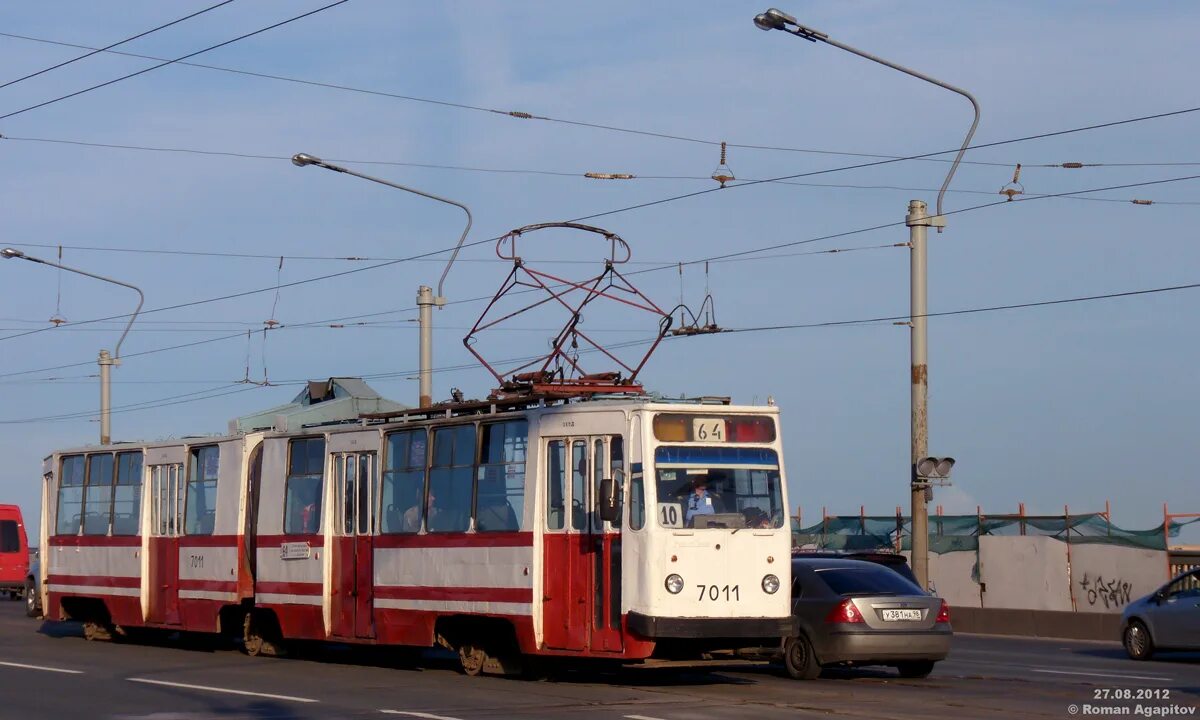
{"type": "Point", "coordinates": [620, 528]}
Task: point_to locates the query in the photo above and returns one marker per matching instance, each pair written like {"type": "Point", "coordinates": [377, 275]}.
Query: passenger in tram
{"type": "Point", "coordinates": [700, 501]}
{"type": "Point", "coordinates": [412, 516]}
{"type": "Point", "coordinates": [310, 514]}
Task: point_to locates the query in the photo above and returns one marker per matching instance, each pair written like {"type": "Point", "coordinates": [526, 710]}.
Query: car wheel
{"type": "Point", "coordinates": [799, 658]}
{"type": "Point", "coordinates": [915, 669]}
{"type": "Point", "coordinates": [31, 600]}
{"type": "Point", "coordinates": [1137, 641]}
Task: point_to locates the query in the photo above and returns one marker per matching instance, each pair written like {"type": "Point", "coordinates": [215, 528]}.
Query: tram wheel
{"type": "Point", "coordinates": [255, 641]}
{"type": "Point", "coordinates": [94, 631]}
{"type": "Point", "coordinates": [472, 658]}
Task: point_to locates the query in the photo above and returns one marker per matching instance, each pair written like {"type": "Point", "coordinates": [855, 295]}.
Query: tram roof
{"type": "Point", "coordinates": [448, 412]}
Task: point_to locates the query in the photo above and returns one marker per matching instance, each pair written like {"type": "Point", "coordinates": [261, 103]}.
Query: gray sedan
{"type": "Point", "coordinates": [1167, 619]}
{"type": "Point", "coordinates": [852, 612]}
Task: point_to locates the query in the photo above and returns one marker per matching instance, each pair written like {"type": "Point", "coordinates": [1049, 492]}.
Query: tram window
{"type": "Point", "coordinates": [598, 457]}
{"type": "Point", "coordinates": [97, 495]}
{"type": "Point", "coordinates": [70, 496]}
{"type": "Point", "coordinates": [556, 490]}
{"type": "Point", "coordinates": [579, 483]}
{"type": "Point", "coordinates": [616, 470]}
{"type": "Point", "coordinates": [450, 479]}
{"type": "Point", "coordinates": [200, 512]}
{"type": "Point", "coordinates": [127, 495]}
{"type": "Point", "coordinates": [306, 469]}
{"type": "Point", "coordinates": [404, 482]}
{"type": "Point", "coordinates": [500, 486]}
{"type": "Point", "coordinates": [637, 502]}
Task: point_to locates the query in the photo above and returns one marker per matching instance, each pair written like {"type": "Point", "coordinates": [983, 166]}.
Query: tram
{"type": "Point", "coordinates": [570, 514]}
{"type": "Point", "coordinates": [619, 528]}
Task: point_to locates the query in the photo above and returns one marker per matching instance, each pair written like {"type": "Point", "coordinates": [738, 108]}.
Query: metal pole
{"type": "Point", "coordinates": [425, 303]}
{"type": "Point", "coordinates": [918, 222]}
{"type": "Point", "coordinates": [105, 362]}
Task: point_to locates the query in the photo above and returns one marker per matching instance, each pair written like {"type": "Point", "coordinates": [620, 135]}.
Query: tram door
{"type": "Point", "coordinates": [581, 603]}
{"type": "Point", "coordinates": [166, 525]}
{"type": "Point", "coordinates": [353, 562]}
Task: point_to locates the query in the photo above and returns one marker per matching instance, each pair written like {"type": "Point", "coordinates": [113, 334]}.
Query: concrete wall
{"type": "Point", "coordinates": [1024, 572]}
{"type": "Point", "coordinates": [955, 576]}
{"type": "Point", "coordinates": [1106, 578]}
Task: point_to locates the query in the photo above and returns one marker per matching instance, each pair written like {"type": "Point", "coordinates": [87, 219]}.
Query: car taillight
{"type": "Point", "coordinates": [944, 613]}
{"type": "Point", "coordinates": [845, 612]}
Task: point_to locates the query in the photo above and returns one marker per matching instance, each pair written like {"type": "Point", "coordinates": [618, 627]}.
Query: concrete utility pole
{"type": "Point", "coordinates": [105, 361]}
{"type": "Point", "coordinates": [918, 222]}
{"type": "Point", "coordinates": [425, 300]}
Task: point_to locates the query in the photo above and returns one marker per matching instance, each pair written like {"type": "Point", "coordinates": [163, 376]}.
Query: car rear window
{"type": "Point", "coordinates": [9, 541]}
{"type": "Point", "coordinates": [867, 580]}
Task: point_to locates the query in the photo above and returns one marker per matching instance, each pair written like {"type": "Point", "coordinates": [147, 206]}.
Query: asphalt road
{"type": "Point", "coordinates": [49, 671]}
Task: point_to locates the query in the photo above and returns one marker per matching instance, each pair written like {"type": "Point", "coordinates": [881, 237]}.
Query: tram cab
{"type": "Point", "coordinates": [688, 544]}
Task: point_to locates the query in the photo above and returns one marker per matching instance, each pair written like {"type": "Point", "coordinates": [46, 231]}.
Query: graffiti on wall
{"type": "Point", "coordinates": [1112, 593]}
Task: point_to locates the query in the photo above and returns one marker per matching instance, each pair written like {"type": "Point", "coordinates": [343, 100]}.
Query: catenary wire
{"type": "Point", "coordinates": [171, 62]}
{"type": "Point", "coordinates": [106, 48]}
{"type": "Point", "coordinates": [564, 121]}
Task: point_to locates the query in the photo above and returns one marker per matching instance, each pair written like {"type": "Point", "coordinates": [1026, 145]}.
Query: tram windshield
{"type": "Point", "coordinates": [725, 487]}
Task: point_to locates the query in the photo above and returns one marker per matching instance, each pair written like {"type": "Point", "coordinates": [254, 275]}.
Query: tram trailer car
{"type": "Point", "coordinates": [620, 529]}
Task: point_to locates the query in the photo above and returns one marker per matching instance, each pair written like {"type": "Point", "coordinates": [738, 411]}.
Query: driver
{"type": "Point", "coordinates": [699, 501]}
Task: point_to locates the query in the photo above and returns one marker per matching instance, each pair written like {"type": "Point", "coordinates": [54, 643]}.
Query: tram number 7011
{"type": "Point", "coordinates": [717, 592]}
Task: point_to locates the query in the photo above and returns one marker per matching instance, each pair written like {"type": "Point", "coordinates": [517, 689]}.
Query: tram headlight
{"type": "Point", "coordinates": [770, 584]}
{"type": "Point", "coordinates": [674, 584]}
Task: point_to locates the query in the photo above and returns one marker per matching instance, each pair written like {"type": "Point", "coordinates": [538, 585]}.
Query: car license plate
{"type": "Point", "coordinates": [894, 615]}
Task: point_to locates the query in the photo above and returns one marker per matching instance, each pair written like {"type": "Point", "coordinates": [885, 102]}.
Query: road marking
{"type": "Point", "coordinates": [642, 717]}
{"type": "Point", "coordinates": [1106, 675]}
{"type": "Point", "coordinates": [41, 667]}
{"type": "Point", "coordinates": [413, 713]}
{"type": "Point", "coordinates": [227, 691]}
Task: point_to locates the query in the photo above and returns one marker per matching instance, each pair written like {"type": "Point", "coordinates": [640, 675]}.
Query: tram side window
{"type": "Point", "coordinates": [556, 490]}
{"type": "Point", "coordinates": [306, 468]}
{"type": "Point", "coordinates": [450, 479]}
{"type": "Point", "coordinates": [127, 494]}
{"type": "Point", "coordinates": [200, 513]}
{"type": "Point", "coordinates": [97, 496]}
{"type": "Point", "coordinates": [637, 502]}
{"type": "Point", "coordinates": [404, 482]}
{"type": "Point", "coordinates": [500, 486]}
{"type": "Point", "coordinates": [70, 495]}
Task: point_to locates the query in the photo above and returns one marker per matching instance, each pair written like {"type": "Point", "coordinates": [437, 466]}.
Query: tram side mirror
{"type": "Point", "coordinates": [610, 500]}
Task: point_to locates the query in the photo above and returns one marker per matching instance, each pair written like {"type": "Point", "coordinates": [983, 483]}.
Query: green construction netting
{"type": "Point", "coordinates": [949, 533]}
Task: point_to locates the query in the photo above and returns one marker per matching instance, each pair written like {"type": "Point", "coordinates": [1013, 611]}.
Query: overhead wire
{"type": "Point", "coordinates": [164, 63]}
{"type": "Point", "coordinates": [107, 48]}
{"type": "Point", "coordinates": [526, 115]}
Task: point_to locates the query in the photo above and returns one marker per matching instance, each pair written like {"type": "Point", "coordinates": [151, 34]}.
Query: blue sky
{"type": "Point", "coordinates": [1074, 404]}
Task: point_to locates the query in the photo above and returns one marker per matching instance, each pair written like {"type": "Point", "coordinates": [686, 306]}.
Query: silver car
{"type": "Point", "coordinates": [1167, 619]}
{"type": "Point", "coordinates": [853, 612]}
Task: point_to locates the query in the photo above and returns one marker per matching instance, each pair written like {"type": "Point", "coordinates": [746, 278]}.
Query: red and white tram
{"type": "Point", "coordinates": [608, 528]}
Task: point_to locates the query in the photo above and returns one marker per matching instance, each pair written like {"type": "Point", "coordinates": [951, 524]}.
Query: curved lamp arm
{"type": "Point", "coordinates": [778, 20]}
{"type": "Point", "coordinates": [9, 253]}
{"type": "Point", "coordinates": [302, 159]}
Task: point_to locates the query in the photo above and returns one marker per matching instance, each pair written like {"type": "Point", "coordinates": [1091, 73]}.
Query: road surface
{"type": "Point", "coordinates": [47, 670]}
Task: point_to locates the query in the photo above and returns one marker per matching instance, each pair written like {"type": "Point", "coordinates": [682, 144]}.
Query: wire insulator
{"type": "Point", "coordinates": [519, 114]}
{"type": "Point", "coordinates": [1072, 165]}
{"type": "Point", "coordinates": [1142, 202]}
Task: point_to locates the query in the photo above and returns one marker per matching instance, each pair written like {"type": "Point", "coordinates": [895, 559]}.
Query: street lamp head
{"type": "Point", "coordinates": [302, 159]}
{"type": "Point", "coordinates": [773, 19]}
{"type": "Point", "coordinates": [10, 253]}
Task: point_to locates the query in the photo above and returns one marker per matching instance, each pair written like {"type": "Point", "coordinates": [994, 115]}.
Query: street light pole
{"type": "Point", "coordinates": [918, 222]}
{"type": "Point", "coordinates": [105, 361]}
{"type": "Point", "coordinates": [425, 300]}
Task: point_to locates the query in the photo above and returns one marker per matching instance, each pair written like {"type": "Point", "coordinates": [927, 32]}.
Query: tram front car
{"type": "Point", "coordinates": [708, 514]}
